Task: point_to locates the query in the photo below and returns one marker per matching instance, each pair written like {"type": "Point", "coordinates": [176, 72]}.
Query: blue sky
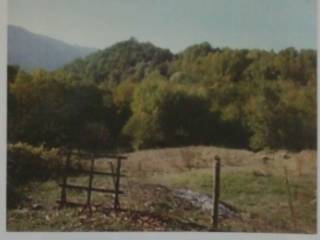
{"type": "Point", "coordinates": [173, 24]}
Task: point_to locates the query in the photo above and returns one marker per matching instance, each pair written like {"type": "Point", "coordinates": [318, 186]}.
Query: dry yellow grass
{"type": "Point", "coordinates": [172, 160]}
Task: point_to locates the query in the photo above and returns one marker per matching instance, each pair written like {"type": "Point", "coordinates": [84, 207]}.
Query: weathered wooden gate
{"type": "Point", "coordinates": [115, 174]}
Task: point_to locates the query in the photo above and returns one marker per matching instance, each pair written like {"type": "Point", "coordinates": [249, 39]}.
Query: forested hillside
{"type": "Point", "coordinates": [138, 95]}
{"type": "Point", "coordinates": [124, 60]}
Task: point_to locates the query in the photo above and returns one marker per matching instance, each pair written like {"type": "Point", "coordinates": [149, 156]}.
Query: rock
{"type": "Point", "coordinates": [29, 199]}
{"type": "Point", "coordinates": [259, 173]}
{"type": "Point", "coordinates": [285, 156]}
{"type": "Point", "coordinates": [22, 211]}
{"type": "Point", "coordinates": [204, 202]}
{"type": "Point", "coordinates": [265, 159]}
{"type": "Point", "coordinates": [36, 206]}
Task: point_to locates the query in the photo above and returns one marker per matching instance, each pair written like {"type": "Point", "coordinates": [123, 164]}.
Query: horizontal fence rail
{"type": "Point", "coordinates": [115, 174]}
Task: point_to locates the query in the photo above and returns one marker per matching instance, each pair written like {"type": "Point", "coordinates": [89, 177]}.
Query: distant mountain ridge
{"type": "Point", "coordinates": [29, 50]}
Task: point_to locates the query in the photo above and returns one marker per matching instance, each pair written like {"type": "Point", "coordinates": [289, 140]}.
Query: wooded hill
{"type": "Point", "coordinates": [138, 95]}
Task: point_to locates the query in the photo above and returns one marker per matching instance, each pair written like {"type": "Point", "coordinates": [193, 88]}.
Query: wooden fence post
{"type": "Point", "coordinates": [290, 201]}
{"type": "Point", "coordinates": [113, 175]}
{"type": "Point", "coordinates": [116, 199]}
{"type": "Point", "coordinates": [216, 192]}
{"type": "Point", "coordinates": [63, 199]}
{"type": "Point", "coordinates": [88, 205]}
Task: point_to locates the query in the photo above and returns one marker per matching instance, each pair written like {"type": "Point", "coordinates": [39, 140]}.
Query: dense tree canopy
{"type": "Point", "coordinates": [128, 59]}
{"type": "Point", "coordinates": [135, 94]}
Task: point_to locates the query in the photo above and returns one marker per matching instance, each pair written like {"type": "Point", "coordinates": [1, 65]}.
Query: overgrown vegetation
{"type": "Point", "coordinates": [27, 163]}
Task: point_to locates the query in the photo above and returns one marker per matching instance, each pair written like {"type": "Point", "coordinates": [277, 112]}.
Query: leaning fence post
{"type": "Point", "coordinates": [216, 192]}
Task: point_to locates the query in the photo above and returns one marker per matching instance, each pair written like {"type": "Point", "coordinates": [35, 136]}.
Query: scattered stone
{"type": "Point", "coordinates": [259, 173]}
{"type": "Point", "coordinates": [22, 210]}
{"type": "Point", "coordinates": [285, 156]}
{"type": "Point", "coordinates": [204, 201]}
{"type": "Point", "coordinates": [265, 160]}
{"type": "Point", "coordinates": [36, 206]}
{"type": "Point", "coordinates": [29, 199]}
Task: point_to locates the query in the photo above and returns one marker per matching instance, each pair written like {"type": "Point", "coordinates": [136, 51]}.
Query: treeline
{"type": "Point", "coordinates": [137, 95]}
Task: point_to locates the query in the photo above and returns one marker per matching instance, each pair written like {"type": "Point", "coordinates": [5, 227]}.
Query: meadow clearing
{"type": "Point", "coordinates": [254, 184]}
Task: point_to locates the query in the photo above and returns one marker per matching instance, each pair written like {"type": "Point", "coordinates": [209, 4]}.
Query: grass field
{"type": "Point", "coordinates": [268, 200]}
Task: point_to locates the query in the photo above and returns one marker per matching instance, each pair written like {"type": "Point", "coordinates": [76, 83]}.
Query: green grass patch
{"type": "Point", "coordinates": [265, 197]}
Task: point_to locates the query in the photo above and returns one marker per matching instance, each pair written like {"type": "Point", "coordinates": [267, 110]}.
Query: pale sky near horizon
{"type": "Point", "coordinates": [173, 24]}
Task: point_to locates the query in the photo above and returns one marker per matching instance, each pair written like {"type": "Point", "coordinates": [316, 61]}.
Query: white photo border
{"type": "Point", "coordinates": [120, 235]}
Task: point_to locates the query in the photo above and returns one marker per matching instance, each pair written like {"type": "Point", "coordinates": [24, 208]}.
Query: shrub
{"type": "Point", "coordinates": [26, 163]}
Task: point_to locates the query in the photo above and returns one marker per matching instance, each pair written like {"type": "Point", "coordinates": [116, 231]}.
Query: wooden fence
{"type": "Point", "coordinates": [115, 174]}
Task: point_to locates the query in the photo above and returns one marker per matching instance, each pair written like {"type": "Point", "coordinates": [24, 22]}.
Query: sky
{"type": "Point", "coordinates": [173, 24]}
